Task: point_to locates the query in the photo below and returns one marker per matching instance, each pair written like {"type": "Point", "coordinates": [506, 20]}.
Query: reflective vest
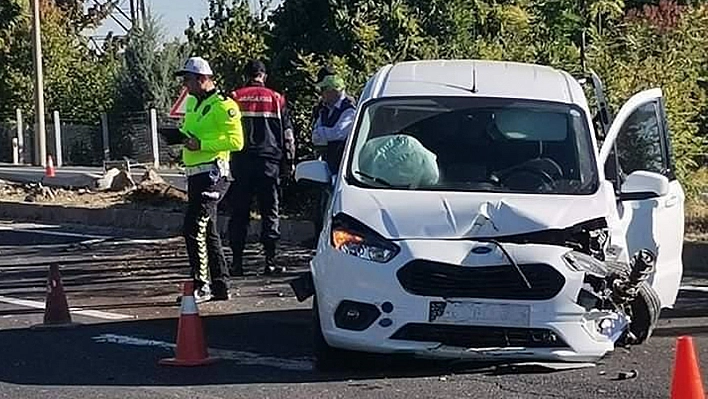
{"type": "Point", "coordinates": [216, 122]}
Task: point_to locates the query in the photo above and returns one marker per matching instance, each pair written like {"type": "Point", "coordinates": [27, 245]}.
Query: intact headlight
{"type": "Point", "coordinates": [352, 237]}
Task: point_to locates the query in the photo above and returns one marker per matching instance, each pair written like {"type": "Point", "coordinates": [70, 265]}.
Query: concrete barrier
{"type": "Point", "coordinates": [163, 222]}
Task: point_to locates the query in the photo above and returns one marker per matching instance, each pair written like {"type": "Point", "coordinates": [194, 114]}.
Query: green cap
{"type": "Point", "coordinates": [331, 82]}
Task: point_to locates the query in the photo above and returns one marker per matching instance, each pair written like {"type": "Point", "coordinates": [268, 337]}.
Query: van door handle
{"type": "Point", "coordinates": [673, 200]}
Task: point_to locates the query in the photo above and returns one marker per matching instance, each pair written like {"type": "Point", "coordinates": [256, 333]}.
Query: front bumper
{"type": "Point", "coordinates": [388, 318]}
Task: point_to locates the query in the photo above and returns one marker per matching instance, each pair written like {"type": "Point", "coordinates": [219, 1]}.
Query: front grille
{"type": "Point", "coordinates": [479, 337]}
{"type": "Point", "coordinates": [427, 278]}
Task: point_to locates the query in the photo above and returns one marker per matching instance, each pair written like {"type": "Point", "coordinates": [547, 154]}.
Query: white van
{"type": "Point", "coordinates": [481, 211]}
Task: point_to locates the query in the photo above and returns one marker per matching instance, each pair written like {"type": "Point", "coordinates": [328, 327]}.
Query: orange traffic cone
{"type": "Point", "coordinates": [191, 345]}
{"type": "Point", "coordinates": [686, 383]}
{"type": "Point", "coordinates": [49, 170]}
{"type": "Point", "coordinates": [56, 311]}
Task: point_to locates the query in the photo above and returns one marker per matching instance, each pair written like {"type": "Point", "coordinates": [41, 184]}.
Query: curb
{"type": "Point", "coordinates": [137, 219]}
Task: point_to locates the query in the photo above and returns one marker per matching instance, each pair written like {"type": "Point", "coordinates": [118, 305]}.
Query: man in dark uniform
{"type": "Point", "coordinates": [269, 151]}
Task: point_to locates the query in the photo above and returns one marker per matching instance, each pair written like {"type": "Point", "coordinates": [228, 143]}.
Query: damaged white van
{"type": "Point", "coordinates": [482, 211]}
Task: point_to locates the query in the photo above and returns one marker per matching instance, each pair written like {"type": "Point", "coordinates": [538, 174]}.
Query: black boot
{"type": "Point", "coordinates": [220, 291]}
{"type": "Point", "coordinates": [236, 269]}
{"type": "Point", "coordinates": [271, 265]}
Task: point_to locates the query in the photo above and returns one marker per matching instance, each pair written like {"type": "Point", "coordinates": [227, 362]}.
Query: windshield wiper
{"type": "Point", "coordinates": [376, 179]}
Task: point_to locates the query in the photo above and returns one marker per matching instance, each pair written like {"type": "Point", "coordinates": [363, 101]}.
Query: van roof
{"type": "Point", "coordinates": [488, 78]}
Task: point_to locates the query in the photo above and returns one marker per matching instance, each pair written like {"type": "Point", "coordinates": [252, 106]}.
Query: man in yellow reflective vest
{"type": "Point", "coordinates": [212, 130]}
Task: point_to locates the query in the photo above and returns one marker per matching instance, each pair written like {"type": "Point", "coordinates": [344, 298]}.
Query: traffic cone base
{"type": "Point", "coordinates": [191, 345]}
{"type": "Point", "coordinates": [58, 326]}
{"type": "Point", "coordinates": [49, 170]}
{"type": "Point", "coordinates": [686, 382]}
{"type": "Point", "coordinates": [56, 311]}
{"type": "Point", "coordinates": [186, 363]}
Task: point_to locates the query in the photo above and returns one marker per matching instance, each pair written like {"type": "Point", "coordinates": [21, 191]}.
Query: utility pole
{"type": "Point", "coordinates": [40, 130]}
{"type": "Point", "coordinates": [133, 16]}
{"type": "Point", "coordinates": [143, 13]}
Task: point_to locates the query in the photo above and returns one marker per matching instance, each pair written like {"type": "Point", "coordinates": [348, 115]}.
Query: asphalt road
{"type": "Point", "coordinates": [28, 174]}
{"type": "Point", "coordinates": [122, 287]}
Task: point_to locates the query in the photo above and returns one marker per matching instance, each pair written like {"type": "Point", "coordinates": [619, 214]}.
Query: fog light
{"type": "Point", "coordinates": [544, 336]}
{"type": "Point", "coordinates": [608, 325]}
{"type": "Point", "coordinates": [355, 316]}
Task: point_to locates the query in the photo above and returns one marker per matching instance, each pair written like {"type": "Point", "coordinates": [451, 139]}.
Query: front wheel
{"type": "Point", "coordinates": [646, 309]}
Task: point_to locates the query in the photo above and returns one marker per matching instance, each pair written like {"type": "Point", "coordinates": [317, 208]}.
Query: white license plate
{"type": "Point", "coordinates": [477, 313]}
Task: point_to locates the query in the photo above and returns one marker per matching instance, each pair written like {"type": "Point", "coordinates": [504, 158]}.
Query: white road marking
{"type": "Point", "coordinates": [242, 357]}
{"type": "Point", "coordinates": [36, 229]}
{"type": "Point", "coordinates": [694, 288]}
{"type": "Point", "coordinates": [90, 313]}
{"type": "Point", "coordinates": [91, 238]}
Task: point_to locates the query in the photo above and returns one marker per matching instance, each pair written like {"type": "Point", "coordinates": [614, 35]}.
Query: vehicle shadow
{"type": "Point", "coordinates": [695, 258]}
{"type": "Point", "coordinates": [261, 347]}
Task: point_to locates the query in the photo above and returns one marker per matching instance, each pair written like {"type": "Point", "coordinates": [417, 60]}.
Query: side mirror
{"type": "Point", "coordinates": [313, 172]}
{"type": "Point", "coordinates": [641, 185]}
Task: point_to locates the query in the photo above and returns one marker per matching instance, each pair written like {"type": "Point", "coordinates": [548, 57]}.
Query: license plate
{"type": "Point", "coordinates": [477, 313]}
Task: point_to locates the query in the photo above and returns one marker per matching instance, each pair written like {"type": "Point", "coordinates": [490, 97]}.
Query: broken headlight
{"type": "Point", "coordinates": [353, 238]}
{"type": "Point", "coordinates": [581, 262]}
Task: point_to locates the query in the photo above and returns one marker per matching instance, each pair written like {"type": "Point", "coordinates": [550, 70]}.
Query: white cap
{"type": "Point", "coordinates": [197, 65]}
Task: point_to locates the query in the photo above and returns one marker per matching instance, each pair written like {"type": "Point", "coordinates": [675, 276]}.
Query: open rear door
{"type": "Point", "coordinates": [639, 141]}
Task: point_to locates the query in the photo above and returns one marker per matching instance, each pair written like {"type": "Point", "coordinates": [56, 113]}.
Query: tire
{"type": "Point", "coordinates": [328, 358]}
{"type": "Point", "coordinates": [646, 309]}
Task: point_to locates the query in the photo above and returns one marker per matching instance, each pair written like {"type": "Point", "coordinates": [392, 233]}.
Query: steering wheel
{"type": "Point", "coordinates": [531, 175]}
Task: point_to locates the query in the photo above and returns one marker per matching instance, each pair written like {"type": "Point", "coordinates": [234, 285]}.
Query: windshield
{"type": "Point", "coordinates": [473, 144]}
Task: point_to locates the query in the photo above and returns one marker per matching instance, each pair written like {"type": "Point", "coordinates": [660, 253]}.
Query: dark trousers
{"type": "Point", "coordinates": [333, 155]}
{"type": "Point", "coordinates": [206, 255]}
{"type": "Point", "coordinates": [257, 177]}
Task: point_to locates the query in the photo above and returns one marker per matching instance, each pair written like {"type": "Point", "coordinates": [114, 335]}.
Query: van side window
{"type": "Point", "coordinates": [640, 144]}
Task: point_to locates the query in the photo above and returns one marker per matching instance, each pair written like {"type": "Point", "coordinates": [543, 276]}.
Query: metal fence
{"type": "Point", "coordinates": [24, 143]}
{"type": "Point", "coordinates": [79, 143]}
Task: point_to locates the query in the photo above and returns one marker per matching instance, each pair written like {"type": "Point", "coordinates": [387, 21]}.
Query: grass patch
{"type": "Point", "coordinates": [697, 217]}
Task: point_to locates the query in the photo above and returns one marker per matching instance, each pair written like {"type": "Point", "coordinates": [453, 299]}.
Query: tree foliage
{"type": "Point", "coordinates": [632, 44]}
{"type": "Point", "coordinates": [147, 65]}
{"type": "Point", "coordinates": [663, 46]}
{"type": "Point", "coordinates": [78, 82]}
{"type": "Point", "coordinates": [228, 36]}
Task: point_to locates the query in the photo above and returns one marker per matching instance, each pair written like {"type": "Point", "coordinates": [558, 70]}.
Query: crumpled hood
{"type": "Point", "coordinates": [448, 215]}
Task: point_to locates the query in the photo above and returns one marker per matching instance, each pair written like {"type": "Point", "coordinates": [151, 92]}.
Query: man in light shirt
{"type": "Point", "coordinates": [334, 120]}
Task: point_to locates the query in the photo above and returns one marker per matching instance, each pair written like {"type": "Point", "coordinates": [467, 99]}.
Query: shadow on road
{"type": "Point", "coordinates": [263, 347]}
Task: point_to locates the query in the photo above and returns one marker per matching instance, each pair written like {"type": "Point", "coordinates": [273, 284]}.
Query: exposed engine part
{"type": "Point", "coordinates": [591, 237]}
{"type": "Point", "coordinates": [623, 288]}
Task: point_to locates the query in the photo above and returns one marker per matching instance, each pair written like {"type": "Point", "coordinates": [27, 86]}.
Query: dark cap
{"type": "Point", "coordinates": [254, 67]}
{"type": "Point", "coordinates": [325, 71]}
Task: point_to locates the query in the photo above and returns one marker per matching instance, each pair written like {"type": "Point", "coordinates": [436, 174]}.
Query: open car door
{"type": "Point", "coordinates": [637, 156]}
